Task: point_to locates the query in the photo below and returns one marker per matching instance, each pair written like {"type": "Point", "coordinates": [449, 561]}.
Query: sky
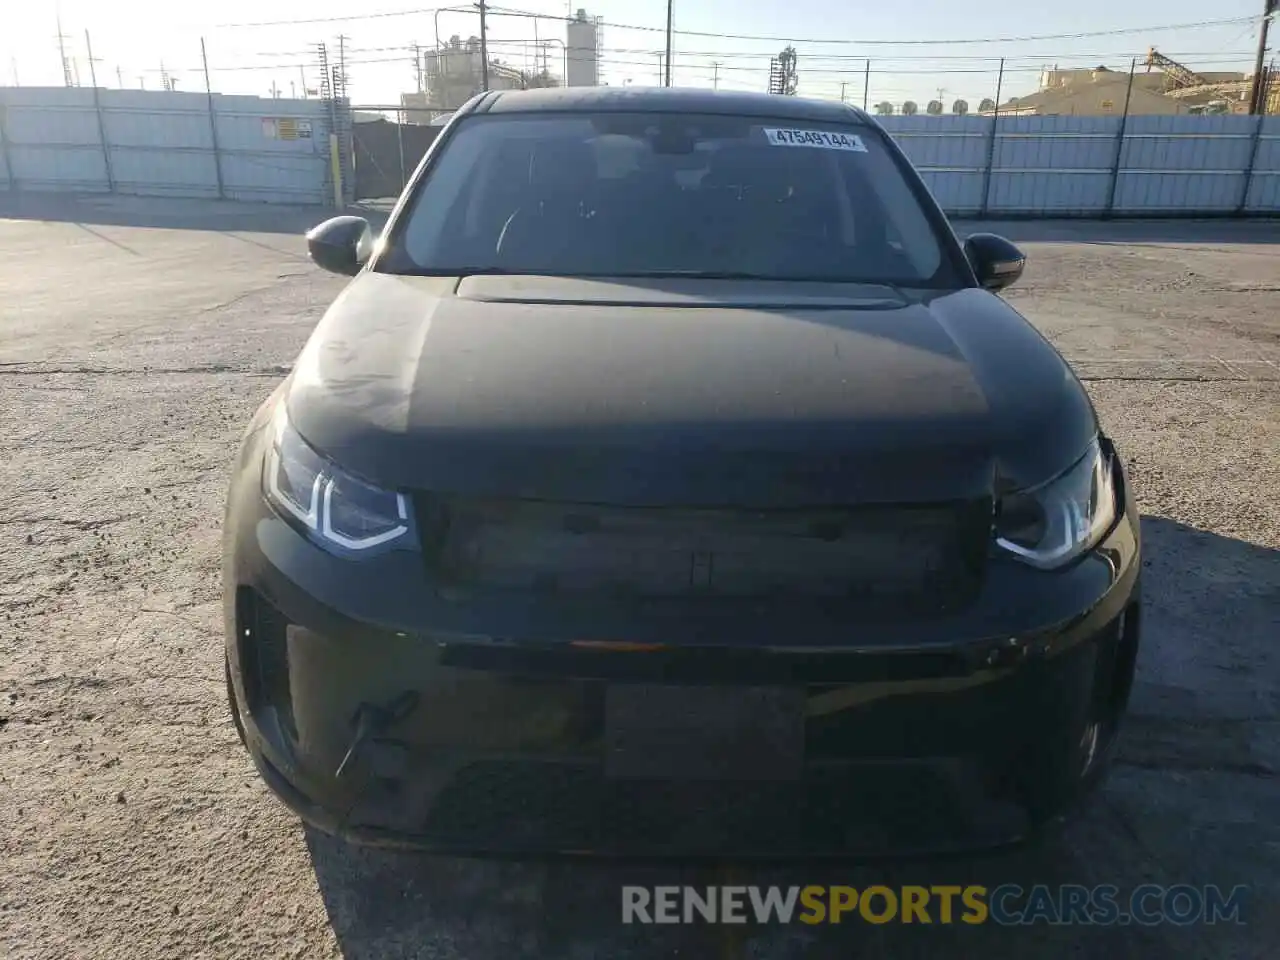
{"type": "Point", "coordinates": [918, 49]}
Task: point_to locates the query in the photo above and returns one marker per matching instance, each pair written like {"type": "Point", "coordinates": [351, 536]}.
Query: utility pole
{"type": "Point", "coordinates": [1257, 94]}
{"type": "Point", "coordinates": [119, 77]}
{"type": "Point", "coordinates": [843, 84]}
{"type": "Point", "coordinates": [668, 61]}
{"type": "Point", "coordinates": [93, 74]}
{"type": "Point", "coordinates": [715, 74]}
{"type": "Point", "coordinates": [97, 109]}
{"type": "Point", "coordinates": [13, 62]}
{"type": "Point", "coordinates": [1120, 134]}
{"type": "Point", "coordinates": [67, 79]}
{"type": "Point", "coordinates": [302, 78]}
{"type": "Point", "coordinates": [484, 50]}
{"type": "Point", "coordinates": [342, 65]}
{"type": "Point", "coordinates": [991, 143]}
{"type": "Point", "coordinates": [417, 68]}
{"type": "Point", "coordinates": [659, 69]}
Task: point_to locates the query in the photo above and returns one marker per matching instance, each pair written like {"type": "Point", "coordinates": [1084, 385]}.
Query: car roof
{"type": "Point", "coordinates": [663, 100]}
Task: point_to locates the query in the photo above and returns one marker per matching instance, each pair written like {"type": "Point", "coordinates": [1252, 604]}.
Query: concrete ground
{"type": "Point", "coordinates": [135, 339]}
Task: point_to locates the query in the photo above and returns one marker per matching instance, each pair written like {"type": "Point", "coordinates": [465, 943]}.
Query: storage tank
{"type": "Point", "coordinates": [583, 54]}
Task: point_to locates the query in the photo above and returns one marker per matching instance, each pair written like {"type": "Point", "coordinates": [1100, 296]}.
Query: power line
{"type": "Point", "coordinates": [884, 64]}
{"type": "Point", "coordinates": [1037, 58]}
{"type": "Point", "coordinates": [856, 71]}
{"type": "Point", "coordinates": [861, 41]}
{"type": "Point", "coordinates": [1117, 31]}
{"type": "Point", "coordinates": [893, 58]}
{"type": "Point", "coordinates": [816, 64]}
{"type": "Point", "coordinates": [854, 68]}
{"type": "Point", "coordinates": [354, 16]}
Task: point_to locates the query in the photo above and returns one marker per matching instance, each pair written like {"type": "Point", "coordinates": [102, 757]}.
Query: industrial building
{"type": "Point", "coordinates": [454, 73]}
{"type": "Point", "coordinates": [1096, 92]}
{"type": "Point", "coordinates": [1161, 86]}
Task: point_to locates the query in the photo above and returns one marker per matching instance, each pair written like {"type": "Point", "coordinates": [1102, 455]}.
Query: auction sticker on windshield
{"type": "Point", "coordinates": [822, 139]}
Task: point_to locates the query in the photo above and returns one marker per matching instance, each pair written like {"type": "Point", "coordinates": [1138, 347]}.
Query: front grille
{"type": "Point", "coordinates": [715, 665]}
{"type": "Point", "coordinates": [922, 556]}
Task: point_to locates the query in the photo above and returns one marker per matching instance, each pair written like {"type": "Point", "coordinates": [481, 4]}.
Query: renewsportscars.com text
{"type": "Point", "coordinates": [1008, 904]}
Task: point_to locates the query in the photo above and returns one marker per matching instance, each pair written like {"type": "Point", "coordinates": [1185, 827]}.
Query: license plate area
{"type": "Point", "coordinates": [666, 732]}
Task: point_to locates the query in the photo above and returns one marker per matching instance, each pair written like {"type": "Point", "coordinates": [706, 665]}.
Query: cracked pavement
{"type": "Point", "coordinates": [135, 339]}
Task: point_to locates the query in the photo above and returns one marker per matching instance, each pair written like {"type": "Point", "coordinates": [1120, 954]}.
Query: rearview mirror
{"type": "Point", "coordinates": [996, 262]}
{"type": "Point", "coordinates": [341, 244]}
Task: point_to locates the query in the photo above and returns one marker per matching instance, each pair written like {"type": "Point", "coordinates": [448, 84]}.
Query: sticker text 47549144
{"type": "Point", "coordinates": [821, 139]}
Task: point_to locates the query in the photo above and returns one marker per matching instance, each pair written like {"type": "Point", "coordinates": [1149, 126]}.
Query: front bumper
{"type": "Point", "coordinates": [949, 734]}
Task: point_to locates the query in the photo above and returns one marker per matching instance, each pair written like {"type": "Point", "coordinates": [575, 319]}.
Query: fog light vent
{"type": "Point", "coordinates": [264, 657]}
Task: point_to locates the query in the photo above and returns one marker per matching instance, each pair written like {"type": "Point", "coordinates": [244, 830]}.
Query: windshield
{"type": "Point", "coordinates": [647, 194]}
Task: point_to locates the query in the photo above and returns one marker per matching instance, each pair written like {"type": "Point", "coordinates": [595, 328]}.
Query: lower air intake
{"type": "Point", "coordinates": [261, 632]}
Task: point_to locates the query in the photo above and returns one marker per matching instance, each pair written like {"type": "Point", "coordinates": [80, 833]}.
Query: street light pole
{"type": "Point", "coordinates": [668, 60]}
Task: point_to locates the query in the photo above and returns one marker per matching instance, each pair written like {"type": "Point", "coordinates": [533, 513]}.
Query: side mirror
{"type": "Point", "coordinates": [996, 262]}
{"type": "Point", "coordinates": [341, 244]}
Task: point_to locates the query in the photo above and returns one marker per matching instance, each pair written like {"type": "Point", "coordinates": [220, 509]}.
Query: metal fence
{"type": "Point", "coordinates": [386, 144]}
{"type": "Point", "coordinates": [1096, 166]}
{"type": "Point", "coordinates": [1009, 166]}
{"type": "Point", "coordinates": [266, 149]}
{"type": "Point", "coordinates": [164, 143]}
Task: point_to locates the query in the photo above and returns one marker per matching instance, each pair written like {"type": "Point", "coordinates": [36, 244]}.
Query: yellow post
{"type": "Point", "coordinates": [335, 164]}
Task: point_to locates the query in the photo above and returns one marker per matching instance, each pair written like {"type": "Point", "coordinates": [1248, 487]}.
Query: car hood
{"type": "Point", "coordinates": [684, 391]}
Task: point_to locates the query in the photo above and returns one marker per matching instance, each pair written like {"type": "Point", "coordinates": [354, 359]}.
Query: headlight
{"type": "Point", "coordinates": [334, 506]}
{"type": "Point", "coordinates": [1053, 524]}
